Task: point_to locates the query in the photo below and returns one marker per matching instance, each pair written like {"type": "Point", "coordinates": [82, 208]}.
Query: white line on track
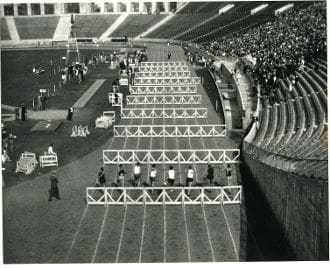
{"type": "Point", "coordinates": [187, 234]}
{"type": "Point", "coordinates": [121, 234]}
{"type": "Point", "coordinates": [80, 222]}
{"type": "Point", "coordinates": [230, 233]}
{"type": "Point", "coordinates": [142, 235]}
{"type": "Point", "coordinates": [145, 207]}
{"type": "Point", "coordinates": [100, 234]}
{"type": "Point", "coordinates": [208, 234]}
{"type": "Point", "coordinates": [164, 241]}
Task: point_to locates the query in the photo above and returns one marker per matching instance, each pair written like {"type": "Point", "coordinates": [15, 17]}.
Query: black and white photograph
{"type": "Point", "coordinates": [173, 132]}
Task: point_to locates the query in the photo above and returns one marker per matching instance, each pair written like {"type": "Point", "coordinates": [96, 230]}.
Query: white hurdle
{"type": "Point", "coordinates": [167, 81]}
{"type": "Point", "coordinates": [164, 99]}
{"type": "Point", "coordinates": [164, 113]}
{"type": "Point", "coordinates": [162, 74]}
{"type": "Point", "coordinates": [227, 195]}
{"type": "Point", "coordinates": [170, 131]}
{"type": "Point", "coordinates": [172, 89]}
{"type": "Point", "coordinates": [48, 160]}
{"type": "Point", "coordinates": [152, 69]}
{"type": "Point", "coordinates": [184, 156]}
{"type": "Point", "coordinates": [162, 64]}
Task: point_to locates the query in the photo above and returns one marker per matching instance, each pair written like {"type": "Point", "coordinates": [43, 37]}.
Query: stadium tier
{"type": "Point", "coordinates": [202, 7]}
{"type": "Point", "coordinates": [5, 35]}
{"type": "Point", "coordinates": [36, 27]}
{"type": "Point", "coordinates": [93, 25]}
{"type": "Point", "coordinates": [134, 25]}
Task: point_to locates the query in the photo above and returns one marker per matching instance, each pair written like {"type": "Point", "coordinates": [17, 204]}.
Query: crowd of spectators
{"type": "Point", "coordinates": [281, 46]}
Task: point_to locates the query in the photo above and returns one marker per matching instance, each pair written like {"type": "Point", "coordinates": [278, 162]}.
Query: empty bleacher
{"type": "Point", "coordinates": [135, 24]}
{"type": "Point", "coordinates": [93, 26]}
{"type": "Point", "coordinates": [201, 7]}
{"type": "Point", "coordinates": [5, 35]}
{"type": "Point", "coordinates": [36, 27]}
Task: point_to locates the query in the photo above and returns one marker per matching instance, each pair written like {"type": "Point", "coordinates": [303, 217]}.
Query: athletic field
{"type": "Point", "coordinates": [36, 231]}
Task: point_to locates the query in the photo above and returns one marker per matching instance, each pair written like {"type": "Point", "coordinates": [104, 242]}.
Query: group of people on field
{"type": "Point", "coordinates": [152, 176]}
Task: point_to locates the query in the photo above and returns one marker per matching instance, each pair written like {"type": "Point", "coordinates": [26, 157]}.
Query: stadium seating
{"type": "Point", "coordinates": [93, 25]}
{"type": "Point", "coordinates": [201, 7]}
{"type": "Point", "coordinates": [184, 21]}
{"type": "Point", "coordinates": [5, 35]}
{"type": "Point", "coordinates": [209, 30]}
{"type": "Point", "coordinates": [36, 27]}
{"type": "Point", "coordinates": [135, 24]}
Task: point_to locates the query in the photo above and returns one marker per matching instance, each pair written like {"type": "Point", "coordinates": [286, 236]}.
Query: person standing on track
{"type": "Point", "coordinates": [210, 174]}
{"type": "Point", "coordinates": [137, 174]}
{"type": "Point", "coordinates": [190, 178]}
{"type": "Point", "coordinates": [152, 177]}
{"type": "Point", "coordinates": [53, 191]}
{"type": "Point", "coordinates": [121, 175]}
{"type": "Point", "coordinates": [171, 176]}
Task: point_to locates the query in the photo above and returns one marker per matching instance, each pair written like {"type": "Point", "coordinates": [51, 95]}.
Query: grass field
{"type": "Point", "coordinates": [37, 231]}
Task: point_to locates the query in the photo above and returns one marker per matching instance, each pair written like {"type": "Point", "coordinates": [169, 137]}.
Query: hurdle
{"type": "Point", "coordinates": [163, 74]}
{"type": "Point", "coordinates": [26, 163]}
{"type": "Point", "coordinates": [226, 195]}
{"type": "Point", "coordinates": [48, 160]}
{"type": "Point", "coordinates": [183, 156]}
{"type": "Point", "coordinates": [164, 99]}
{"type": "Point", "coordinates": [182, 89]}
{"type": "Point", "coordinates": [167, 81]}
{"type": "Point", "coordinates": [162, 63]}
{"type": "Point", "coordinates": [163, 113]}
{"type": "Point", "coordinates": [170, 131]}
{"type": "Point", "coordinates": [163, 68]}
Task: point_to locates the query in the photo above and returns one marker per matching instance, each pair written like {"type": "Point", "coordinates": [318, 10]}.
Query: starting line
{"type": "Point", "coordinates": [164, 99]}
{"type": "Point", "coordinates": [184, 156]}
{"type": "Point", "coordinates": [183, 89]}
{"type": "Point", "coordinates": [170, 131]}
{"type": "Point", "coordinates": [163, 195]}
{"type": "Point", "coordinates": [163, 74]}
{"type": "Point", "coordinates": [146, 69]}
{"type": "Point", "coordinates": [164, 113]}
{"type": "Point", "coordinates": [167, 81]}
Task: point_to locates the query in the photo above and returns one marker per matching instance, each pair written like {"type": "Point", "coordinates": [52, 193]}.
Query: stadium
{"type": "Point", "coordinates": [164, 132]}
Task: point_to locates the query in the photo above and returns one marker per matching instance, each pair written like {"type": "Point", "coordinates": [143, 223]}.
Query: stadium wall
{"type": "Point", "coordinates": [301, 215]}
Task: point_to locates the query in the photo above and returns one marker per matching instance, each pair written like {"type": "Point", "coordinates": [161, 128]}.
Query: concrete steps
{"type": "Point", "coordinates": [63, 28]}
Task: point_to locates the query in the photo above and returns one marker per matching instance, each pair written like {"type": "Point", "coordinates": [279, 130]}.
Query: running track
{"type": "Point", "coordinates": [154, 233]}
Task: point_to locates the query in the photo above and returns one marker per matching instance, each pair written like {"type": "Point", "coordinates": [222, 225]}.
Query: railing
{"type": "Point", "coordinates": [170, 131]}
{"type": "Point", "coordinates": [184, 156]}
{"type": "Point", "coordinates": [164, 99]}
{"type": "Point", "coordinates": [164, 195]}
{"type": "Point", "coordinates": [163, 113]}
{"type": "Point", "coordinates": [183, 89]}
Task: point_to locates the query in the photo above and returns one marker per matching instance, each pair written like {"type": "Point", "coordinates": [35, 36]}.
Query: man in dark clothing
{"type": "Point", "coordinates": [23, 112]}
{"type": "Point", "coordinates": [53, 192]}
{"type": "Point", "coordinates": [169, 55]}
{"type": "Point", "coordinates": [101, 177]}
{"type": "Point", "coordinates": [210, 174]}
{"type": "Point", "coordinates": [70, 113]}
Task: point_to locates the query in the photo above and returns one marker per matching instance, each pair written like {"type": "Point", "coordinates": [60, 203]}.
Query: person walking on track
{"type": "Point", "coordinates": [121, 175]}
{"type": "Point", "coordinates": [170, 176]}
{"type": "Point", "coordinates": [137, 174]}
{"type": "Point", "coordinates": [53, 191]}
{"type": "Point", "coordinates": [152, 177]}
{"type": "Point", "coordinates": [190, 178]}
